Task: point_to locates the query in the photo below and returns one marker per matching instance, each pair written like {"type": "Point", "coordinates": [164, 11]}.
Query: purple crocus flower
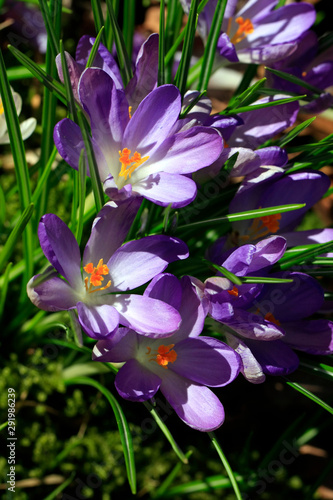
{"type": "Point", "coordinates": [313, 67]}
{"type": "Point", "coordinates": [266, 323]}
{"type": "Point", "coordinates": [259, 33]}
{"type": "Point", "coordinates": [145, 69]}
{"type": "Point", "coordinates": [182, 367]}
{"type": "Point", "coordinates": [108, 270]}
{"type": "Point", "coordinates": [142, 154]}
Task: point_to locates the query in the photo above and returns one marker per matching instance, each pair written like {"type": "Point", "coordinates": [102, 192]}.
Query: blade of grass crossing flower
{"type": "Point", "coordinates": [161, 47]}
{"type": "Point", "coordinates": [310, 395]}
{"type": "Point", "coordinates": [305, 255]}
{"type": "Point", "coordinates": [250, 214]}
{"type": "Point", "coordinates": [21, 168]}
{"type": "Point", "coordinates": [93, 168]}
{"type": "Point", "coordinates": [47, 16]}
{"type": "Point", "coordinates": [166, 432]}
{"type": "Point", "coordinates": [94, 48]}
{"type": "Point", "coordinates": [124, 431]}
{"type": "Point", "coordinates": [295, 132]}
{"type": "Point", "coordinates": [295, 80]}
{"type": "Point", "coordinates": [129, 24]}
{"type": "Point", "coordinates": [192, 104]}
{"type": "Point", "coordinates": [38, 72]}
{"type": "Point", "coordinates": [248, 96]}
{"type": "Point", "coordinates": [187, 50]}
{"type": "Point", "coordinates": [9, 246]}
{"type": "Point", "coordinates": [210, 48]}
{"type": "Point", "coordinates": [98, 19]}
{"type": "Point", "coordinates": [226, 465]}
{"type": "Point", "coordinates": [231, 276]}
{"type": "Point", "coordinates": [243, 109]}
{"type": "Point", "coordinates": [68, 87]}
{"type": "Point", "coordinates": [4, 288]}
{"type": "Point", "coordinates": [82, 178]}
{"type": "Point", "coordinates": [125, 64]}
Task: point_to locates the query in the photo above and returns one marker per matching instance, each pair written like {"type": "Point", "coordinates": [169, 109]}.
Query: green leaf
{"type": "Point", "coordinates": [124, 60]}
{"type": "Point", "coordinates": [129, 24]}
{"type": "Point", "coordinates": [310, 395]}
{"type": "Point", "coordinates": [4, 289]}
{"type": "Point", "coordinates": [304, 255]}
{"type": "Point", "coordinates": [99, 20]}
{"type": "Point", "coordinates": [211, 44]}
{"type": "Point", "coordinates": [207, 485]}
{"type": "Point", "coordinates": [293, 79]}
{"type": "Point", "coordinates": [244, 109]}
{"type": "Point", "coordinates": [44, 176]}
{"type": "Point", "coordinates": [51, 35]}
{"type": "Point", "coordinates": [187, 50]}
{"type": "Point", "coordinates": [60, 488]}
{"type": "Point", "coordinates": [247, 96]}
{"type": "Point", "coordinates": [161, 46]}
{"type": "Point", "coordinates": [226, 465]}
{"type": "Point", "coordinates": [159, 492]}
{"type": "Point", "coordinates": [82, 179]}
{"type": "Point", "coordinates": [124, 431]}
{"type": "Point", "coordinates": [295, 132]}
{"type": "Point", "coordinates": [94, 48]}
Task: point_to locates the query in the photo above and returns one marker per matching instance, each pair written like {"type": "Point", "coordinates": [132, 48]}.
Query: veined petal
{"type": "Point", "coordinates": [138, 261]}
{"type": "Point", "coordinates": [165, 287]}
{"type": "Point", "coordinates": [196, 405]}
{"type": "Point", "coordinates": [54, 294]}
{"type": "Point", "coordinates": [147, 316]}
{"type": "Point", "coordinates": [74, 71]}
{"type": "Point", "coordinates": [135, 382]}
{"type": "Point", "coordinates": [206, 361]}
{"type": "Point", "coordinates": [164, 188]}
{"type": "Point", "coordinates": [109, 229]}
{"type": "Point", "coordinates": [250, 367]}
{"type": "Point", "coordinates": [98, 321]}
{"type": "Point", "coordinates": [61, 248]}
{"type": "Point", "coordinates": [275, 357]}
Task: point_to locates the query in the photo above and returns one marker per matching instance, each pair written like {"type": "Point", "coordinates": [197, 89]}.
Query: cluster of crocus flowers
{"type": "Point", "coordinates": [151, 142]}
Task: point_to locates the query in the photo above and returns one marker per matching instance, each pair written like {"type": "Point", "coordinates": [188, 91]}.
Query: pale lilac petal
{"type": "Point", "coordinates": [165, 287]}
{"type": "Point", "coordinates": [135, 382]}
{"type": "Point", "coordinates": [268, 252]}
{"type": "Point", "coordinates": [139, 261]}
{"type": "Point", "coordinates": [164, 188]}
{"type": "Point", "coordinates": [54, 294]}
{"type": "Point", "coordinates": [250, 367]}
{"type": "Point", "coordinates": [120, 347]}
{"type": "Point", "coordinates": [312, 336]}
{"type": "Point", "coordinates": [74, 71]}
{"type": "Point", "coordinates": [110, 229]}
{"type": "Point", "coordinates": [196, 405]}
{"type": "Point", "coordinates": [206, 361]}
{"type": "Point", "coordinates": [98, 321]}
{"type": "Point", "coordinates": [253, 326]}
{"type": "Point", "coordinates": [60, 248]}
{"type": "Point", "coordinates": [147, 316]}
{"type": "Point", "coordinates": [226, 48]}
{"type": "Point", "coordinates": [69, 141]}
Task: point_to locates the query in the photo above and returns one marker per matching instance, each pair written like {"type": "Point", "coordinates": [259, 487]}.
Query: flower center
{"type": "Point", "coordinates": [271, 318]}
{"type": "Point", "coordinates": [93, 283]}
{"type": "Point", "coordinates": [262, 226]}
{"type": "Point", "coordinates": [234, 291]}
{"type": "Point", "coordinates": [1, 107]}
{"type": "Point", "coordinates": [164, 355]}
{"type": "Point", "coordinates": [129, 163]}
{"type": "Point", "coordinates": [244, 29]}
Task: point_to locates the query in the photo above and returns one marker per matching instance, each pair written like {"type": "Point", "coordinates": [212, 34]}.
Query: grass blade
{"type": "Point", "coordinates": [98, 19]}
{"type": "Point", "coordinates": [161, 46]}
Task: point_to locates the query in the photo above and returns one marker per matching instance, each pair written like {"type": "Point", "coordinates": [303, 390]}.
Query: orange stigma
{"type": "Point", "coordinates": [130, 111]}
{"type": "Point", "coordinates": [233, 292]}
{"type": "Point", "coordinates": [96, 277]}
{"type": "Point", "coordinates": [245, 28]}
{"type": "Point", "coordinates": [262, 226]}
{"type": "Point", "coordinates": [269, 317]}
{"type": "Point", "coordinates": [165, 355]}
{"type": "Point", "coordinates": [129, 163]}
{"type": "Point", "coordinates": [271, 222]}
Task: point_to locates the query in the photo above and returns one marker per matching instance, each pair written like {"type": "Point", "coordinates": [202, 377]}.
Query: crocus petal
{"type": "Point", "coordinates": [267, 252]}
{"type": "Point", "coordinates": [61, 248]}
{"type": "Point", "coordinates": [74, 71]}
{"type": "Point", "coordinates": [164, 188]}
{"type": "Point", "coordinates": [206, 361]}
{"type": "Point", "coordinates": [159, 110]}
{"type": "Point", "coordinates": [69, 141]}
{"type": "Point", "coordinates": [253, 326]}
{"type": "Point", "coordinates": [165, 287]}
{"type": "Point", "coordinates": [196, 405]}
{"type": "Point", "coordinates": [121, 347]}
{"type": "Point", "coordinates": [138, 261]}
{"type": "Point", "coordinates": [192, 311]}
{"type": "Point", "coordinates": [226, 48]}
{"type": "Point", "coordinates": [275, 357]}
{"type": "Point", "coordinates": [98, 321]}
{"type": "Point", "coordinates": [27, 127]}
{"type": "Point", "coordinates": [147, 316]}
{"type": "Point", "coordinates": [109, 230]}
{"type": "Point", "coordinates": [250, 367]}
{"type": "Point", "coordinates": [135, 382]}
{"type": "Point", "coordinates": [54, 294]}
{"type": "Point", "coordinates": [312, 336]}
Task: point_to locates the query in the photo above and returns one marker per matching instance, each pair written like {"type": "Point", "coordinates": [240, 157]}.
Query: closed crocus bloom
{"type": "Point", "coordinates": [27, 126]}
{"type": "Point", "coordinates": [181, 367]}
{"type": "Point", "coordinates": [139, 154]}
{"type": "Point", "coordinates": [95, 284]}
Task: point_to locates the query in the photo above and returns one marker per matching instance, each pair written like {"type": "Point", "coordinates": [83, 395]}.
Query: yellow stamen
{"type": "Point", "coordinates": [129, 163]}
{"type": "Point", "coordinates": [1, 107]}
{"type": "Point", "coordinates": [165, 355]}
{"type": "Point", "coordinates": [96, 277]}
{"type": "Point", "coordinates": [233, 292]}
{"type": "Point", "coordinates": [130, 111]}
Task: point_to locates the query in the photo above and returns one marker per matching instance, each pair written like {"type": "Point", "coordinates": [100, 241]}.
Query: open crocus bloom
{"type": "Point", "coordinates": [27, 126]}
{"type": "Point", "coordinates": [139, 154]}
{"type": "Point", "coordinates": [180, 367]}
{"type": "Point", "coordinates": [108, 270]}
